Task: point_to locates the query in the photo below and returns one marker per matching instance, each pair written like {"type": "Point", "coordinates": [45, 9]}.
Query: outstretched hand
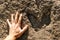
{"type": "Point", "coordinates": [15, 25]}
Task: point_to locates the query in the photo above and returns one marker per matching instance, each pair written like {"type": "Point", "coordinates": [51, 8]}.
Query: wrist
{"type": "Point", "coordinates": [10, 37]}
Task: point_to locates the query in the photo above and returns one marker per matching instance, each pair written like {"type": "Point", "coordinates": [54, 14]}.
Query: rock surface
{"type": "Point", "coordinates": [42, 16]}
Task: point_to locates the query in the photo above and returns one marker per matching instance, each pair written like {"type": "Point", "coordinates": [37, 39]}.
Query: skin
{"type": "Point", "coordinates": [15, 30]}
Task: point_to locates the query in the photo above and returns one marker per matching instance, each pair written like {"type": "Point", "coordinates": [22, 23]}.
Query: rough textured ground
{"type": "Point", "coordinates": [42, 16]}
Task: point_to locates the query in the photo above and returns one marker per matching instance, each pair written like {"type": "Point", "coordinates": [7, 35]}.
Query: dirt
{"type": "Point", "coordinates": [42, 16]}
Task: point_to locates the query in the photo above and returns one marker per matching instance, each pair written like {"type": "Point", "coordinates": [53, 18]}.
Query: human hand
{"type": "Point", "coordinates": [15, 26]}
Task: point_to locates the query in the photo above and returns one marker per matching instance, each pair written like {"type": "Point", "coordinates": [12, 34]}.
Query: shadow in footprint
{"type": "Point", "coordinates": [38, 24]}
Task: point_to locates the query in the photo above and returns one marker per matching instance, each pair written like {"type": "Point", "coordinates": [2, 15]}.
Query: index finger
{"type": "Point", "coordinates": [20, 19]}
